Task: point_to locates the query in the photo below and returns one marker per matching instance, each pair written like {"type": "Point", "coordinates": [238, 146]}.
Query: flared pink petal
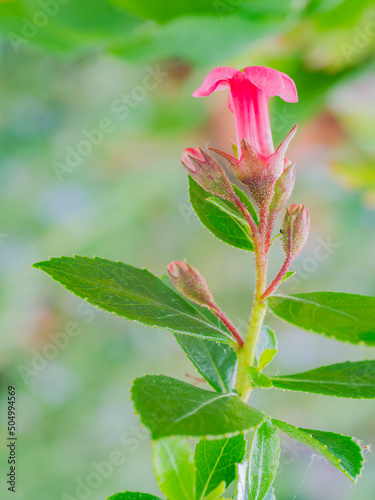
{"type": "Point", "coordinates": [272, 82]}
{"type": "Point", "coordinates": [217, 79]}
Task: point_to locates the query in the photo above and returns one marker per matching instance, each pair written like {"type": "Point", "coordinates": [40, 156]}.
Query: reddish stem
{"type": "Point", "coordinates": [227, 322]}
{"type": "Point", "coordinates": [276, 282]}
{"type": "Point", "coordinates": [247, 215]}
{"type": "Point", "coordinates": [263, 219]}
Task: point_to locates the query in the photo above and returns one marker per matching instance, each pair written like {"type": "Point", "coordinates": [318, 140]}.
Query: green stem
{"type": "Point", "coordinates": [246, 354]}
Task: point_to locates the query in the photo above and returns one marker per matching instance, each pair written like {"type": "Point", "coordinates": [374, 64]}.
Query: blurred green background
{"type": "Point", "coordinates": [96, 108]}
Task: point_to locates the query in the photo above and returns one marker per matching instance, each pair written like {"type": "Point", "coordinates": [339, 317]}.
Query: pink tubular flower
{"type": "Point", "coordinates": [249, 91]}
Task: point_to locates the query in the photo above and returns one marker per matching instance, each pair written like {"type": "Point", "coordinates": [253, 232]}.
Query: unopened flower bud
{"type": "Point", "coordinates": [283, 189]}
{"type": "Point", "coordinates": [257, 172]}
{"type": "Point", "coordinates": [295, 230]}
{"type": "Point", "coordinates": [207, 173]}
{"type": "Point", "coordinates": [190, 283]}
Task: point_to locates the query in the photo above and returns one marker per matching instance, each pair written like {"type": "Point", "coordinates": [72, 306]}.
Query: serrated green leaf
{"type": "Point", "coordinates": [170, 407]}
{"type": "Point", "coordinates": [343, 316]}
{"type": "Point", "coordinates": [216, 362]}
{"type": "Point", "coordinates": [131, 293]}
{"type": "Point", "coordinates": [263, 460]}
{"type": "Point", "coordinates": [228, 209]}
{"type": "Point", "coordinates": [344, 380]}
{"type": "Point", "coordinates": [132, 495]}
{"type": "Point", "coordinates": [266, 348]}
{"type": "Point", "coordinates": [221, 225]}
{"type": "Point", "coordinates": [342, 451]}
{"type": "Point", "coordinates": [242, 490]}
{"type": "Point", "coordinates": [216, 462]}
{"type": "Point", "coordinates": [174, 467]}
{"type": "Point", "coordinates": [258, 380]}
{"type": "Point", "coordinates": [217, 492]}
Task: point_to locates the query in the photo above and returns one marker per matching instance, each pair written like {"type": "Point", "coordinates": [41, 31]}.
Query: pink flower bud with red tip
{"type": "Point", "coordinates": [190, 283]}
{"type": "Point", "coordinates": [295, 230]}
{"type": "Point", "coordinates": [283, 189]}
{"type": "Point", "coordinates": [207, 173]}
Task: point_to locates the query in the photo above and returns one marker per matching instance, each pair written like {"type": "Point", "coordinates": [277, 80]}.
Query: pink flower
{"type": "Point", "coordinates": [249, 91]}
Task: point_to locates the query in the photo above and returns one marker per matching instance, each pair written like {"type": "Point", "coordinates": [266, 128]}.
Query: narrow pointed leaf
{"type": "Point", "coordinates": [174, 467]}
{"type": "Point", "coordinates": [132, 495]}
{"type": "Point", "coordinates": [170, 407]}
{"type": "Point", "coordinates": [343, 316]}
{"type": "Point", "coordinates": [344, 380]}
{"type": "Point", "coordinates": [263, 461]}
{"type": "Point", "coordinates": [342, 451]}
{"type": "Point", "coordinates": [132, 293]}
{"type": "Point", "coordinates": [222, 225]}
{"type": "Point", "coordinates": [216, 462]}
